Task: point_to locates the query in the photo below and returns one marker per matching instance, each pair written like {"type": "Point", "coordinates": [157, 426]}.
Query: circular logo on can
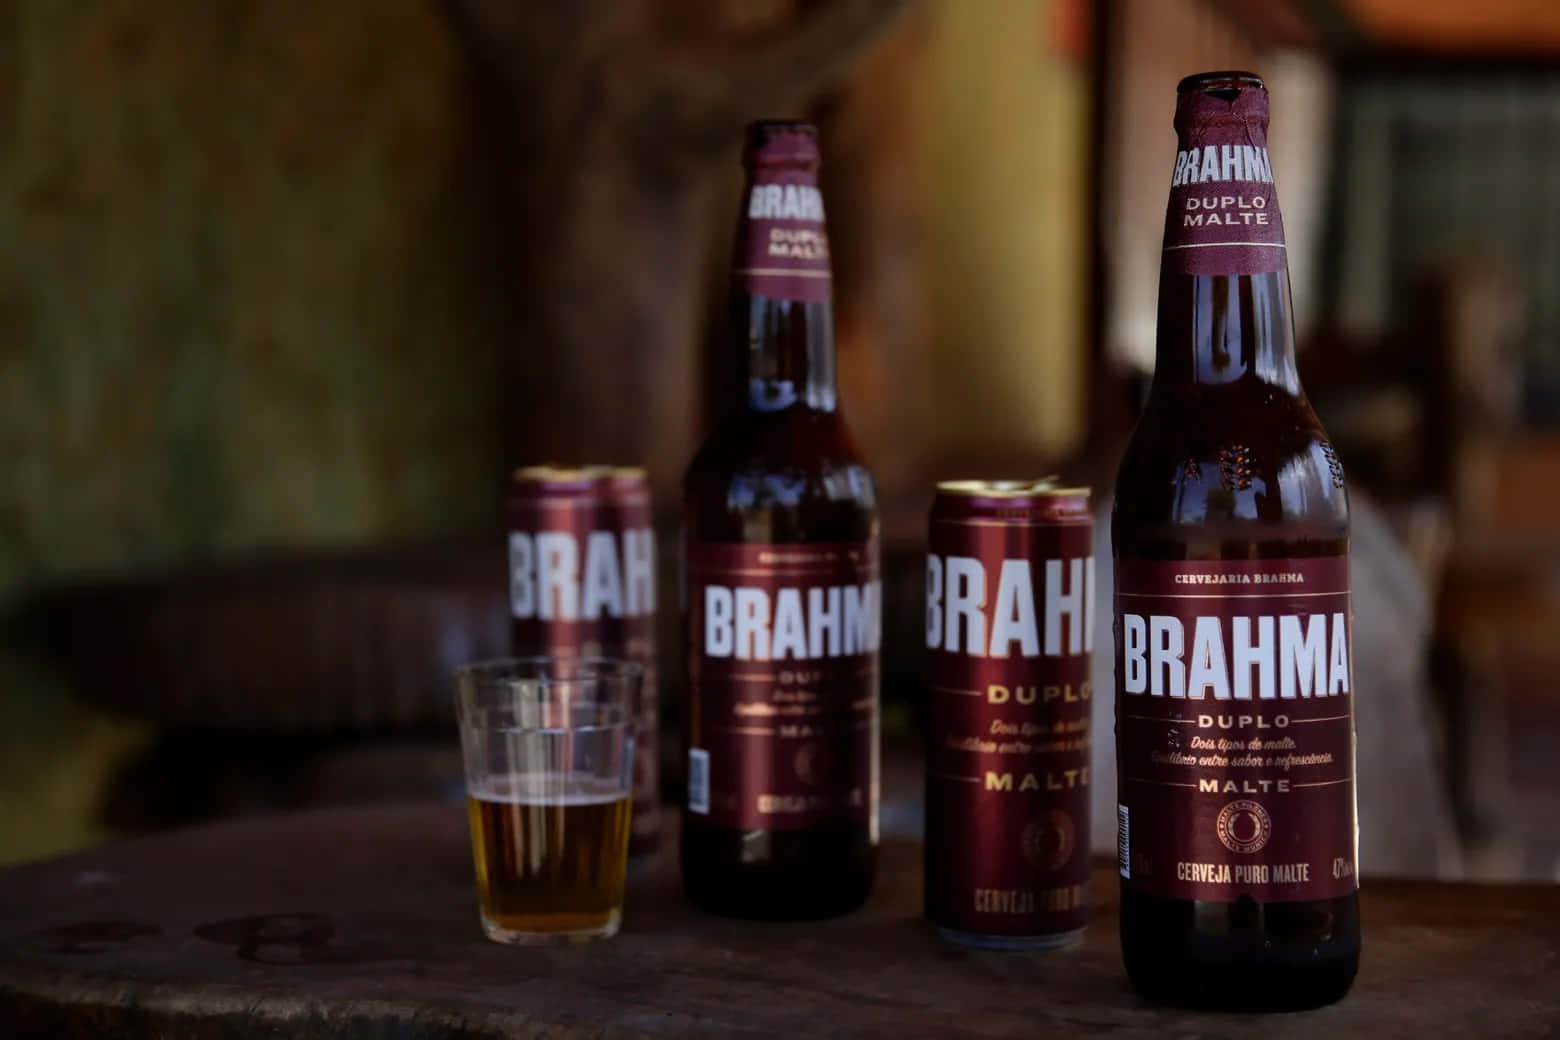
{"type": "Point", "coordinates": [1048, 842]}
{"type": "Point", "coordinates": [1244, 826]}
{"type": "Point", "coordinates": [813, 764]}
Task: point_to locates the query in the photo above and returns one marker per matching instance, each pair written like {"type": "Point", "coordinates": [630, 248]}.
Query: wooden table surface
{"type": "Point", "coordinates": [362, 923]}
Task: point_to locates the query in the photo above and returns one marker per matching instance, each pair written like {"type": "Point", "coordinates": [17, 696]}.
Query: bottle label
{"type": "Point", "coordinates": [783, 644]}
{"type": "Point", "coordinates": [1223, 215]}
{"type": "Point", "coordinates": [1235, 729]}
{"type": "Point", "coordinates": [1009, 634]}
{"type": "Point", "coordinates": [782, 241]}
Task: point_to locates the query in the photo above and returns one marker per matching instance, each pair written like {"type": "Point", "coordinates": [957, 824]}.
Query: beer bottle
{"type": "Point", "coordinates": [781, 583]}
{"type": "Point", "coordinates": [1234, 685]}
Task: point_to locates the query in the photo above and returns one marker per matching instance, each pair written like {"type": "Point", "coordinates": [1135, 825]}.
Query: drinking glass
{"type": "Point", "coordinates": [548, 744]}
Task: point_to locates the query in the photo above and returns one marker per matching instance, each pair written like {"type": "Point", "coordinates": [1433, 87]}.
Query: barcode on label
{"type": "Point", "coordinates": [698, 781]}
{"type": "Point", "coordinates": [1123, 841]}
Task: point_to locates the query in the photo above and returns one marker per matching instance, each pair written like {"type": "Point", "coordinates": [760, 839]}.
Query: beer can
{"type": "Point", "coordinates": [582, 582]}
{"type": "Point", "coordinates": [1009, 635]}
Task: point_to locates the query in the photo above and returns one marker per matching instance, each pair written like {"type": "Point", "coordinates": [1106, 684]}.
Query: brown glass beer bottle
{"type": "Point", "coordinates": [782, 596]}
{"type": "Point", "coordinates": [1234, 684]}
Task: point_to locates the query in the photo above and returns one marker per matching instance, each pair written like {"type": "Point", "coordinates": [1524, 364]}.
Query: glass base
{"type": "Point", "coordinates": [562, 937]}
{"type": "Point", "coordinates": [977, 941]}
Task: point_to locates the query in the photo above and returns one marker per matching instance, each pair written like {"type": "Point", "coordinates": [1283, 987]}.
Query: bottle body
{"type": "Point", "coordinates": [781, 586]}
{"type": "Point", "coordinates": [1234, 702]}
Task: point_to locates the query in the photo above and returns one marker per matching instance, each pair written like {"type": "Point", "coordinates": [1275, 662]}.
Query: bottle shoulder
{"type": "Point", "coordinates": [1231, 471]}
{"type": "Point", "coordinates": [793, 475]}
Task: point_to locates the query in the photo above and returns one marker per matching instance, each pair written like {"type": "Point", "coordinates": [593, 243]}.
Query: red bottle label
{"type": "Point", "coordinates": [1235, 729]}
{"type": "Point", "coordinates": [782, 241]}
{"type": "Point", "coordinates": [783, 646]}
{"type": "Point", "coordinates": [1223, 215]}
{"type": "Point", "coordinates": [1009, 635]}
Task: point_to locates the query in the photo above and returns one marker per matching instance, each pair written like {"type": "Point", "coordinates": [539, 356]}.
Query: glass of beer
{"type": "Point", "coordinates": [548, 744]}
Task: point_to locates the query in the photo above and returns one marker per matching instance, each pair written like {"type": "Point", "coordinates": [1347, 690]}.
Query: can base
{"type": "Point", "coordinates": [978, 941]}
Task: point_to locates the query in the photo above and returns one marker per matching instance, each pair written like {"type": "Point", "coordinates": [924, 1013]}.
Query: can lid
{"type": "Point", "coordinates": [623, 473]}
{"type": "Point", "coordinates": [1044, 487]}
{"type": "Point", "coordinates": [549, 473]}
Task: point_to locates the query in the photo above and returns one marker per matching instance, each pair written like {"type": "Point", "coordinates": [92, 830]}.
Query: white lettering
{"type": "Point", "coordinates": [718, 639]}
{"type": "Point", "coordinates": [1338, 673]}
{"type": "Point", "coordinates": [785, 202]}
{"type": "Point", "coordinates": [1209, 669]}
{"type": "Point", "coordinates": [1059, 604]}
{"type": "Point", "coordinates": [1247, 653]}
{"type": "Point", "coordinates": [1305, 660]}
{"type": "Point", "coordinates": [861, 624]}
{"type": "Point", "coordinates": [557, 576]}
{"type": "Point", "coordinates": [1134, 645]}
{"type": "Point", "coordinates": [1166, 644]}
{"type": "Point", "coordinates": [934, 617]}
{"type": "Point", "coordinates": [790, 628]}
{"type": "Point", "coordinates": [823, 622]}
{"type": "Point", "coordinates": [522, 579]}
{"type": "Point", "coordinates": [1013, 618]}
{"type": "Point", "coordinates": [752, 624]}
{"type": "Point", "coordinates": [1302, 658]}
{"type": "Point", "coordinates": [1230, 168]}
{"type": "Point", "coordinates": [837, 621]}
{"type": "Point", "coordinates": [603, 592]}
{"type": "Point", "coordinates": [639, 570]}
{"type": "Point", "coordinates": [966, 592]}
{"type": "Point", "coordinates": [1210, 165]}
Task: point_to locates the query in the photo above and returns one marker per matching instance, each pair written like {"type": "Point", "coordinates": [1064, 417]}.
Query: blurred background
{"type": "Point", "coordinates": [286, 289]}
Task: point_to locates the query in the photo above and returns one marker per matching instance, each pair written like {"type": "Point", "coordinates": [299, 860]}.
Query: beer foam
{"type": "Point", "coordinates": [550, 789]}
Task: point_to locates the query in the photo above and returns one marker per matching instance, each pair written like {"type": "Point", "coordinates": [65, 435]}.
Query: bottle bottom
{"type": "Point", "coordinates": [1240, 956]}
{"type": "Point", "coordinates": [1011, 943]}
{"type": "Point", "coordinates": [1222, 986]}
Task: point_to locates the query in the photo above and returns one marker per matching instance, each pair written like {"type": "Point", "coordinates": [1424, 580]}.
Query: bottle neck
{"type": "Point", "coordinates": [1216, 330]}
{"type": "Point", "coordinates": [782, 309]}
{"type": "Point", "coordinates": [1224, 307]}
{"type": "Point", "coordinates": [789, 350]}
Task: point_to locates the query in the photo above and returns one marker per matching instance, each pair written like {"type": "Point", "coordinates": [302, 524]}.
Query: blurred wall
{"type": "Point", "coordinates": [244, 300]}
{"type": "Point", "coordinates": [1007, 217]}
{"type": "Point", "coordinates": [242, 289]}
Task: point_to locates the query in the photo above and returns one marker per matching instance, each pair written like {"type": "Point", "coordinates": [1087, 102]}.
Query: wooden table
{"type": "Point", "coordinates": [362, 923]}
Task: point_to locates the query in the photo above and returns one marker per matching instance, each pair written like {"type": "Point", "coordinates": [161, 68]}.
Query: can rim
{"type": "Point", "coordinates": [1042, 487]}
{"type": "Point", "coordinates": [548, 472]}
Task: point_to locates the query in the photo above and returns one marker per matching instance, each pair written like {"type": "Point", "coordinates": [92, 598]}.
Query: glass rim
{"type": "Point", "coordinates": [488, 691]}
{"type": "Point", "coordinates": [594, 669]}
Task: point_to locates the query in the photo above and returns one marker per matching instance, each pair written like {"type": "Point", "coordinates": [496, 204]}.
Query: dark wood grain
{"type": "Point", "coordinates": [362, 924]}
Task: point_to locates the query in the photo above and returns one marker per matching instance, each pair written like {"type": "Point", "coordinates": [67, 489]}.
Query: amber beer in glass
{"type": "Point", "coordinates": [1009, 638]}
{"type": "Point", "coordinates": [549, 862]}
{"type": "Point", "coordinates": [1234, 686]}
{"type": "Point", "coordinates": [781, 582]}
{"type": "Point", "coordinates": [548, 748]}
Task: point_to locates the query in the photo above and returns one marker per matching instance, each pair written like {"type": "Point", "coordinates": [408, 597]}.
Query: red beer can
{"type": "Point", "coordinates": [582, 583]}
{"type": "Point", "coordinates": [1009, 635]}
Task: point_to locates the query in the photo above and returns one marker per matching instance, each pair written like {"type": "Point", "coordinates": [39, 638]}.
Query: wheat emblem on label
{"type": "Point", "coordinates": [1244, 826]}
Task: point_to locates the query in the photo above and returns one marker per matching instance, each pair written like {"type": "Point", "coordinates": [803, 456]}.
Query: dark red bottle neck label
{"type": "Point", "coordinates": [782, 240]}
{"type": "Point", "coordinates": [1223, 215]}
